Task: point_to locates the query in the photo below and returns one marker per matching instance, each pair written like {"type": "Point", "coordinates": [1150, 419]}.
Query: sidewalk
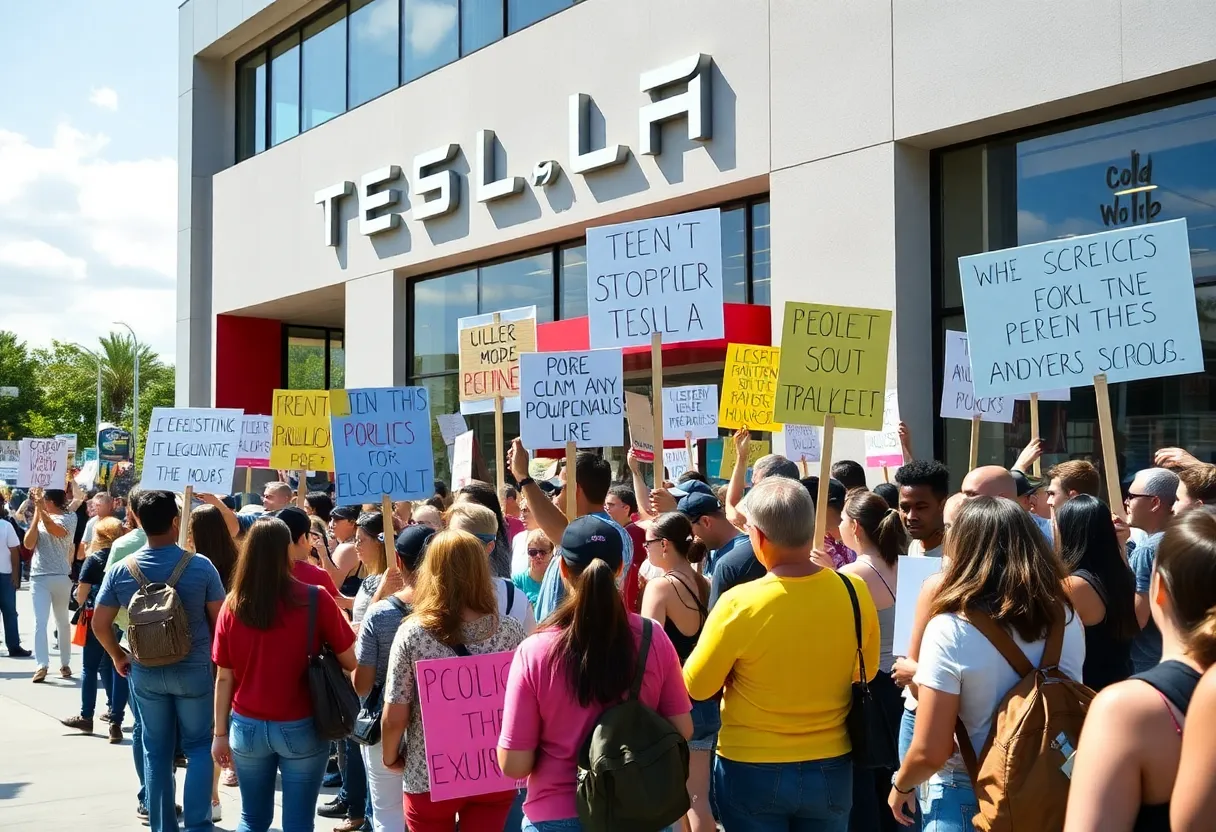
{"type": "Point", "coordinates": [55, 778]}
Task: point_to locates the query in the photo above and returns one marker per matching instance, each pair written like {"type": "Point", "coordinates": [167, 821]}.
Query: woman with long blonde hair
{"type": "Point", "coordinates": [455, 613]}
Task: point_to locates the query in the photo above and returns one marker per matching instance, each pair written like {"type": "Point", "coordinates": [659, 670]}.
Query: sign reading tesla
{"type": "Point", "coordinates": [435, 187]}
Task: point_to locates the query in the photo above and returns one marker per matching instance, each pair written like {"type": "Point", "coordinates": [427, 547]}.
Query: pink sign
{"type": "Point", "coordinates": [462, 700]}
{"type": "Point", "coordinates": [254, 448]}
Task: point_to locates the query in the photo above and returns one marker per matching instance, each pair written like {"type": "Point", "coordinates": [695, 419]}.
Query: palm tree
{"type": "Point", "coordinates": [118, 375]}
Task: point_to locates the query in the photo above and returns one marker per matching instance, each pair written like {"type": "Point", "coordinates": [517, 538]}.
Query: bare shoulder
{"type": "Point", "coordinates": [1132, 704]}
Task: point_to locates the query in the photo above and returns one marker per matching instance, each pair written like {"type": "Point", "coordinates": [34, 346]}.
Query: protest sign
{"type": "Point", "coordinates": [571, 397]}
{"type": "Point", "coordinates": [382, 444]}
{"type": "Point", "coordinates": [749, 387]}
{"type": "Point", "coordinates": [1056, 314]}
{"type": "Point", "coordinates": [690, 409]}
{"type": "Point", "coordinates": [510, 403]}
{"type": "Point", "coordinates": [254, 448]}
{"type": "Point", "coordinates": [641, 426]}
{"type": "Point", "coordinates": [755, 449]}
{"type": "Point", "coordinates": [958, 394]}
{"type": "Point", "coordinates": [10, 460]}
{"type": "Point", "coordinates": [802, 443]}
{"type": "Point", "coordinates": [86, 477]}
{"type": "Point", "coordinates": [657, 276]}
{"type": "Point", "coordinates": [676, 461]}
{"type": "Point", "coordinates": [913, 571]}
{"type": "Point", "coordinates": [883, 448]}
{"type": "Point", "coordinates": [43, 463]}
{"type": "Point", "coordinates": [462, 701]}
{"type": "Point", "coordinates": [300, 432]}
{"type": "Point", "coordinates": [71, 439]}
{"type": "Point", "coordinates": [489, 358]}
{"type": "Point", "coordinates": [833, 362]}
{"type": "Point", "coordinates": [191, 447]}
{"type": "Point", "coordinates": [462, 460]}
{"type": "Point", "coordinates": [114, 444]}
{"type": "Point", "coordinates": [451, 425]}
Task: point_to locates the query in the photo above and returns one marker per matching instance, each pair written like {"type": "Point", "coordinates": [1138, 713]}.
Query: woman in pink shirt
{"type": "Point", "coordinates": [574, 668]}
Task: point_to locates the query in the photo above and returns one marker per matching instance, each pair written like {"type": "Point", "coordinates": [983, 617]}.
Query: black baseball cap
{"type": "Point", "coordinates": [411, 545]}
{"type": "Point", "coordinates": [297, 521]}
{"type": "Point", "coordinates": [698, 505]}
{"type": "Point", "coordinates": [1025, 484]}
{"type": "Point", "coordinates": [836, 491]}
{"type": "Point", "coordinates": [588, 538]}
{"type": "Point", "coordinates": [550, 487]}
{"type": "Point", "coordinates": [690, 487]}
{"type": "Point", "coordinates": [350, 513]}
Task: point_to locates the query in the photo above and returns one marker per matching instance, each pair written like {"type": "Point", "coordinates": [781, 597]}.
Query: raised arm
{"type": "Point", "coordinates": [641, 490]}
{"type": "Point", "coordinates": [230, 518]}
{"type": "Point", "coordinates": [738, 478]}
{"type": "Point", "coordinates": [548, 516]}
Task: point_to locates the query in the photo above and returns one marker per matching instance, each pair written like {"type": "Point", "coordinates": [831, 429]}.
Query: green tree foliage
{"type": "Point", "coordinates": [17, 369]}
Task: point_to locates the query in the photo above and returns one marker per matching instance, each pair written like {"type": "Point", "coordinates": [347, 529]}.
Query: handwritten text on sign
{"type": "Point", "coordinates": [10, 460]}
{"type": "Point", "coordinates": [659, 275]}
{"type": "Point", "coordinates": [571, 397]}
{"type": "Point", "coordinates": [1056, 314]}
{"type": "Point", "coordinates": [749, 387]}
{"type": "Point", "coordinates": [756, 449]}
{"type": "Point", "coordinates": [883, 447]}
{"type": "Point", "coordinates": [300, 440]}
{"type": "Point", "coordinates": [462, 701]}
{"type": "Point", "coordinates": [489, 358]}
{"type": "Point", "coordinates": [44, 463]}
{"type": "Point", "coordinates": [191, 446]}
{"type": "Point", "coordinates": [833, 360]}
{"type": "Point", "coordinates": [958, 394]}
{"type": "Point", "coordinates": [641, 425]}
{"type": "Point", "coordinates": [693, 408]}
{"type": "Point", "coordinates": [254, 449]}
{"type": "Point", "coordinates": [382, 443]}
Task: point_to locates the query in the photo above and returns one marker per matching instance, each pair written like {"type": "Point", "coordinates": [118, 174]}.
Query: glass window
{"type": "Point", "coordinates": [373, 30]}
{"type": "Point", "coordinates": [438, 303]}
{"type": "Point", "coordinates": [305, 358]}
{"type": "Point", "coordinates": [574, 281]}
{"type": "Point", "coordinates": [337, 361]}
{"type": "Point", "coordinates": [523, 281]}
{"type": "Point", "coordinates": [430, 35]}
{"type": "Point", "coordinates": [324, 68]}
{"type": "Point", "coordinates": [734, 255]}
{"type": "Point", "coordinates": [761, 276]}
{"type": "Point", "coordinates": [521, 13]}
{"type": "Point", "coordinates": [251, 106]}
{"type": "Point", "coordinates": [480, 24]}
{"type": "Point", "coordinates": [285, 89]}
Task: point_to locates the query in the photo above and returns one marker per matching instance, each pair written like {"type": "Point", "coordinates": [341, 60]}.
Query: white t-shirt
{"type": "Point", "coordinates": [521, 608]}
{"type": "Point", "coordinates": [519, 553]}
{"type": "Point", "coordinates": [916, 549]}
{"type": "Point", "coordinates": [956, 658]}
{"type": "Point", "coordinates": [89, 528]}
{"type": "Point", "coordinates": [8, 542]}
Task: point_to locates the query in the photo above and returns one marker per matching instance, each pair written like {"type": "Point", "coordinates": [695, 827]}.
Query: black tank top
{"type": "Point", "coordinates": [1107, 659]}
{"type": "Point", "coordinates": [684, 644]}
{"type": "Point", "coordinates": [1176, 682]}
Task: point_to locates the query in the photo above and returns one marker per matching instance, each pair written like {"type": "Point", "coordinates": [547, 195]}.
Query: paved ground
{"type": "Point", "coordinates": [56, 779]}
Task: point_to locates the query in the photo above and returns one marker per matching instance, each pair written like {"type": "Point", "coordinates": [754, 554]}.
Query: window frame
{"type": "Point", "coordinates": [328, 333]}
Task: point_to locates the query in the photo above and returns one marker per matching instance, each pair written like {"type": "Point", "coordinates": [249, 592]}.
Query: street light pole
{"type": "Point", "coordinates": [97, 358]}
{"type": "Point", "coordinates": [135, 403]}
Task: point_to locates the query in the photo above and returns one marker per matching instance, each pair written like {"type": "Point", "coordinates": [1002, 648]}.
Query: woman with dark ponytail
{"type": "Point", "coordinates": [872, 529]}
{"type": "Point", "coordinates": [578, 664]}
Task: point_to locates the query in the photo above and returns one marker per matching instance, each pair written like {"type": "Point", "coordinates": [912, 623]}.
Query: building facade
{"type": "Point", "coordinates": [356, 175]}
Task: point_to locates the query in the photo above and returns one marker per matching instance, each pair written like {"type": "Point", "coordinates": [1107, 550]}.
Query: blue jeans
{"type": "Point", "coordinates": [8, 610]}
{"type": "Point", "coordinates": [137, 749]}
{"type": "Point", "coordinates": [97, 661]}
{"type": "Point", "coordinates": [354, 783]}
{"type": "Point", "coordinates": [950, 805]}
{"type": "Point", "coordinates": [176, 700]}
{"type": "Point", "coordinates": [812, 796]}
{"type": "Point", "coordinates": [564, 825]}
{"type": "Point", "coordinates": [706, 722]}
{"type": "Point", "coordinates": [260, 751]}
{"type": "Point", "coordinates": [907, 725]}
{"type": "Point", "coordinates": [515, 819]}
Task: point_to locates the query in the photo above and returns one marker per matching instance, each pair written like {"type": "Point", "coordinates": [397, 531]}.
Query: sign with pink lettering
{"type": "Point", "coordinates": [462, 701]}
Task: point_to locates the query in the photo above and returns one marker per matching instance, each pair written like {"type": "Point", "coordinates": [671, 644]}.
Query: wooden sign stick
{"type": "Point", "coordinates": [571, 496]}
{"type": "Point", "coordinates": [656, 405]}
{"type": "Point", "coordinates": [184, 524]}
{"type": "Point", "coordinates": [692, 465]}
{"type": "Point", "coordinates": [248, 483]}
{"type": "Point", "coordinates": [1110, 461]}
{"type": "Point", "coordinates": [974, 457]}
{"type": "Point", "coordinates": [825, 474]}
{"type": "Point", "coordinates": [301, 490]}
{"type": "Point", "coordinates": [390, 536]}
{"type": "Point", "coordinates": [500, 461]}
{"type": "Point", "coordinates": [1036, 469]}
{"type": "Point", "coordinates": [886, 474]}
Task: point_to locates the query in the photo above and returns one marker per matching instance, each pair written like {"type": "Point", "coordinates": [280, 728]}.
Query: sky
{"type": "Point", "coordinates": [88, 171]}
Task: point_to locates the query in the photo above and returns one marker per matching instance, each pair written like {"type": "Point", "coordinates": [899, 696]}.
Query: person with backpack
{"type": "Point", "coordinates": [1129, 752]}
{"type": "Point", "coordinates": [455, 613]}
{"type": "Point", "coordinates": [590, 689]}
{"type": "Point", "coordinates": [1000, 659]}
{"type": "Point", "coordinates": [173, 599]}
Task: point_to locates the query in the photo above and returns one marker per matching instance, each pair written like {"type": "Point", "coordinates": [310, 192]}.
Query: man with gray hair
{"type": "Point", "coordinates": [276, 496]}
{"type": "Point", "coordinates": [769, 465]}
{"type": "Point", "coordinates": [1150, 503]}
{"type": "Point", "coordinates": [773, 465]}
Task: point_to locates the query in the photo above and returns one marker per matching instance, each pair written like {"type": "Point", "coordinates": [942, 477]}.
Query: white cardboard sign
{"type": "Point", "coordinates": [958, 394]}
{"type": "Point", "coordinates": [803, 442]}
{"type": "Point", "coordinates": [44, 463]}
{"type": "Point", "coordinates": [509, 405]}
{"type": "Point", "coordinates": [451, 425]}
{"type": "Point", "coordinates": [675, 460]}
{"type": "Point", "coordinates": [913, 572]}
{"type": "Point", "coordinates": [883, 448]}
{"type": "Point", "coordinates": [692, 408]}
{"type": "Point", "coordinates": [572, 397]}
{"type": "Point", "coordinates": [191, 446]}
{"type": "Point", "coordinates": [462, 460]}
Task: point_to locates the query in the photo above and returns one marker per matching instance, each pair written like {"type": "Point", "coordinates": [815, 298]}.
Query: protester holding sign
{"type": "Point", "coordinates": [50, 538]}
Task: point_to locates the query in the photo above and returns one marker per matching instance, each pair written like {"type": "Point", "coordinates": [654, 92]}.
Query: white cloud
{"type": "Point", "coordinates": [42, 257]}
{"type": "Point", "coordinates": [105, 98]}
{"type": "Point", "coordinates": [429, 25]}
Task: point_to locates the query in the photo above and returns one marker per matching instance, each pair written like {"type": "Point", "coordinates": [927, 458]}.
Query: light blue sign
{"type": "Point", "coordinates": [1058, 313]}
{"type": "Point", "coordinates": [713, 462]}
{"type": "Point", "coordinates": [382, 444]}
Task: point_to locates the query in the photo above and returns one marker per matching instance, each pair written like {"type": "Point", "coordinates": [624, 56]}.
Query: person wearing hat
{"type": "Point", "coordinates": [564, 675]}
{"type": "Point", "coordinates": [301, 546]}
{"type": "Point", "coordinates": [343, 565]}
{"type": "Point", "coordinates": [1027, 488]}
{"type": "Point", "coordinates": [733, 562]}
{"type": "Point", "coordinates": [833, 546]}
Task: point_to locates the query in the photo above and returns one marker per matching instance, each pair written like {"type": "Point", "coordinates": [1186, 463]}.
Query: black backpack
{"type": "Point", "coordinates": [633, 767]}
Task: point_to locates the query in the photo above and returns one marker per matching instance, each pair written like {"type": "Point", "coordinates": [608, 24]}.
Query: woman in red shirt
{"type": "Point", "coordinates": [261, 653]}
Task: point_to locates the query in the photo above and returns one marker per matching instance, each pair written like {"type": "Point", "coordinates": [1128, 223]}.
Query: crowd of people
{"type": "Point", "coordinates": [766, 665]}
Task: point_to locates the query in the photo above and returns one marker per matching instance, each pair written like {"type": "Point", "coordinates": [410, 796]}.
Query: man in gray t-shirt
{"type": "Point", "coordinates": [50, 537]}
{"type": "Point", "coordinates": [1150, 503]}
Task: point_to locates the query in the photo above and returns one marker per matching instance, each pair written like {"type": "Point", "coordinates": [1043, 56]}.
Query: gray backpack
{"type": "Point", "coordinates": [159, 630]}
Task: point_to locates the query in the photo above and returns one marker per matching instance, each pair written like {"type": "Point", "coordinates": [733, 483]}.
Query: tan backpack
{"type": "Point", "coordinates": [159, 629]}
{"type": "Point", "coordinates": [1022, 775]}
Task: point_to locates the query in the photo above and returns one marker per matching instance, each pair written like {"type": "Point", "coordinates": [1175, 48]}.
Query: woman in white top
{"type": "Point", "coordinates": [1000, 564]}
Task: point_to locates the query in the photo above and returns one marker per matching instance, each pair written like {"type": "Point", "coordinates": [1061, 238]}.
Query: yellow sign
{"type": "Point", "coordinates": [489, 358]}
{"type": "Point", "coordinates": [299, 434]}
{"type": "Point", "coordinates": [749, 387]}
{"type": "Point", "coordinates": [833, 360]}
{"type": "Point", "coordinates": [757, 449]}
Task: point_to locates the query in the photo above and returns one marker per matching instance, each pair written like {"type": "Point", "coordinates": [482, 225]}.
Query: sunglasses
{"type": "Point", "coordinates": [539, 553]}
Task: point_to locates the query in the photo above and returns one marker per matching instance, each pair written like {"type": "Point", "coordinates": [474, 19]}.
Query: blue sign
{"type": "Point", "coordinates": [382, 444]}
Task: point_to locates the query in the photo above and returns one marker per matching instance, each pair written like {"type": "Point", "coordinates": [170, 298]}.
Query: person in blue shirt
{"type": "Point", "coordinates": [1150, 504]}
{"type": "Point", "coordinates": [175, 698]}
{"type": "Point", "coordinates": [592, 479]}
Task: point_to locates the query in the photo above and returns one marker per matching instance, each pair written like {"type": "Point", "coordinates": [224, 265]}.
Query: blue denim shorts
{"type": "Point", "coordinates": [706, 721]}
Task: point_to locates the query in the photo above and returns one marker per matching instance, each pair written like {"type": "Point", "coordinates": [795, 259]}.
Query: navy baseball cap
{"type": "Point", "coordinates": [698, 505]}
{"type": "Point", "coordinates": [588, 538]}
{"type": "Point", "coordinates": [411, 545]}
{"type": "Point", "coordinates": [550, 487]}
{"type": "Point", "coordinates": [1025, 484]}
{"type": "Point", "coordinates": [350, 513]}
{"type": "Point", "coordinates": [689, 488]}
{"type": "Point", "coordinates": [836, 491]}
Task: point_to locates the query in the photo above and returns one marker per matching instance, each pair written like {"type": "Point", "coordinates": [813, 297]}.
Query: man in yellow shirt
{"type": "Point", "coordinates": [783, 650]}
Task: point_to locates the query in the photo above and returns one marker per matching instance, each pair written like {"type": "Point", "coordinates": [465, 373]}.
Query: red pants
{"type": "Point", "coordinates": [480, 813]}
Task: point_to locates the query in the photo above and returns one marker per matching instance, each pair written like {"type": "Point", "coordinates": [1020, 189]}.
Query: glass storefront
{"type": "Point", "coordinates": [1147, 164]}
{"type": "Point", "coordinates": [314, 358]}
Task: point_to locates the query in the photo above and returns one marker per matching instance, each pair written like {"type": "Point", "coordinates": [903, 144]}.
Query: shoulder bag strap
{"type": "Point", "coordinates": [861, 661]}
{"type": "Point", "coordinates": [312, 620]}
{"type": "Point", "coordinates": [461, 650]}
{"type": "Point", "coordinates": [180, 568]}
{"type": "Point", "coordinates": [966, 751]}
{"type": "Point", "coordinates": [1002, 641]}
{"type": "Point", "coordinates": [133, 567]}
{"type": "Point", "coordinates": [1055, 641]}
{"type": "Point", "coordinates": [510, 595]}
{"type": "Point", "coordinates": [639, 673]}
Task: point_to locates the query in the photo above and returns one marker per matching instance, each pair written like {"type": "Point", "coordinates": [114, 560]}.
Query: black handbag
{"type": "Point", "coordinates": [334, 701]}
{"type": "Point", "coordinates": [367, 723]}
{"type": "Point", "coordinates": [869, 732]}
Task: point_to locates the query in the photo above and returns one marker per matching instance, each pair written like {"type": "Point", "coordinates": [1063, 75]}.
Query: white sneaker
{"type": "Point", "coordinates": [217, 813]}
